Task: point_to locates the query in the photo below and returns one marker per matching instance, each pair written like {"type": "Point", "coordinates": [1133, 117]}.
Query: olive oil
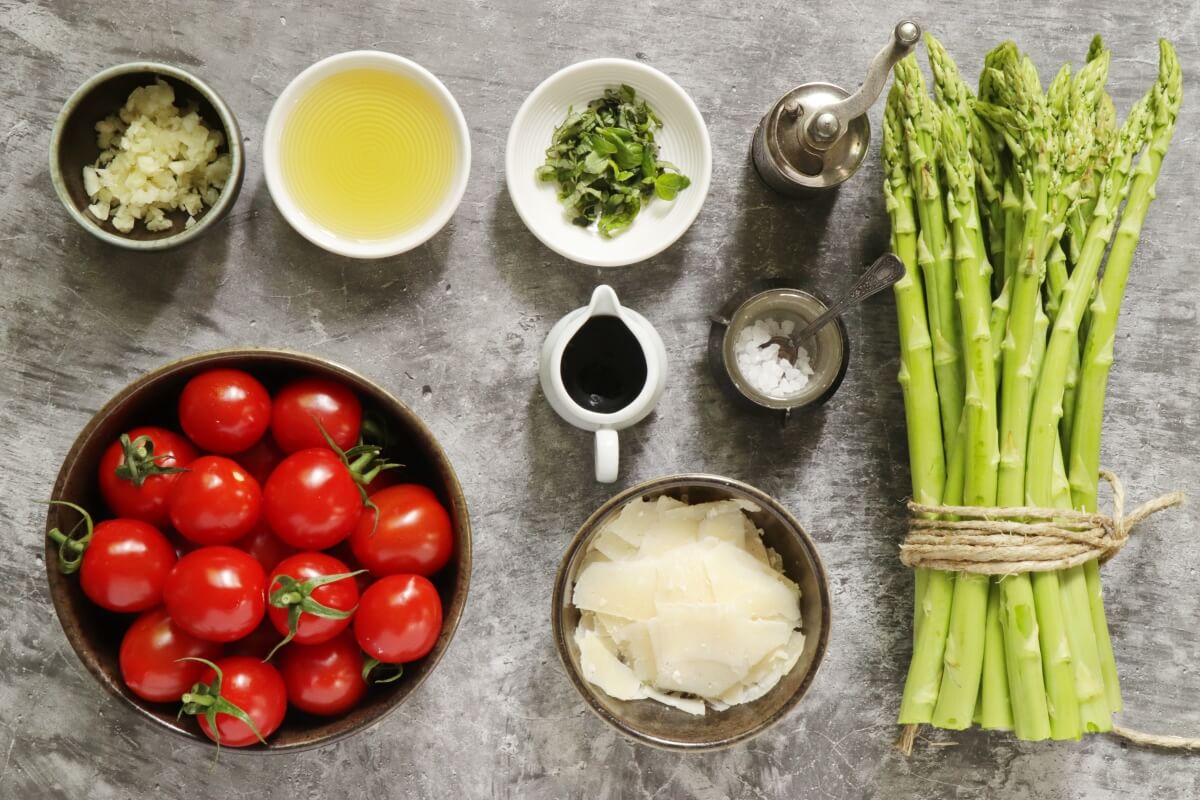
{"type": "Point", "coordinates": [368, 154]}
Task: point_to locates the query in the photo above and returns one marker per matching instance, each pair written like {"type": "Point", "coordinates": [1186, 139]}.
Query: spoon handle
{"type": "Point", "coordinates": [886, 270]}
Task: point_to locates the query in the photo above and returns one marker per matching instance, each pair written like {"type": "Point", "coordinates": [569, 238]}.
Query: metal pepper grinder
{"type": "Point", "coordinates": [817, 135]}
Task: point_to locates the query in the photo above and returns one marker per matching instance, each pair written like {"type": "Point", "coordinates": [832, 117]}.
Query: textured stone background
{"type": "Point", "coordinates": [464, 316]}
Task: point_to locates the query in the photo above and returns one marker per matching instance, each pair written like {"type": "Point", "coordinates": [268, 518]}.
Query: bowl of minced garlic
{"type": "Point", "coordinates": [146, 156]}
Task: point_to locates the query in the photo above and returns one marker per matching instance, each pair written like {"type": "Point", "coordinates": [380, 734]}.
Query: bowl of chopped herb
{"type": "Point", "coordinates": [608, 162]}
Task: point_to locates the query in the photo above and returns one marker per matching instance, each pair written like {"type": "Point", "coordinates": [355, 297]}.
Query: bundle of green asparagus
{"type": "Point", "coordinates": [1006, 208]}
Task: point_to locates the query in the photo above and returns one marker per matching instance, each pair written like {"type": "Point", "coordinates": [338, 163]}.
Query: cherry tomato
{"type": "Point", "coordinates": [302, 404]}
{"type": "Point", "coordinates": [216, 593]}
{"type": "Point", "coordinates": [267, 548]}
{"type": "Point", "coordinates": [224, 410]}
{"type": "Point", "coordinates": [150, 653]}
{"type": "Point", "coordinates": [311, 501]}
{"type": "Point", "coordinates": [251, 685]}
{"type": "Point", "coordinates": [399, 618]}
{"type": "Point", "coordinates": [326, 678]}
{"type": "Point", "coordinates": [261, 459]}
{"type": "Point", "coordinates": [413, 533]}
{"type": "Point", "coordinates": [135, 487]}
{"type": "Point", "coordinates": [306, 592]}
{"type": "Point", "coordinates": [215, 501]}
{"type": "Point", "coordinates": [125, 565]}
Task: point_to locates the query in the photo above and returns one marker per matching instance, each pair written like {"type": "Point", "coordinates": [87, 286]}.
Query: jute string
{"type": "Point", "coordinates": [1011, 540]}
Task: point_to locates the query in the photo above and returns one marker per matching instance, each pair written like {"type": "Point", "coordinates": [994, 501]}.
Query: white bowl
{"type": "Point", "coordinates": [318, 234]}
{"type": "Point", "coordinates": [683, 140]}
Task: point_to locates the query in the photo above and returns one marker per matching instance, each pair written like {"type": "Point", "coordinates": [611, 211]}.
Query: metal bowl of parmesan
{"type": "Point", "coordinates": [691, 612]}
{"type": "Point", "coordinates": [146, 156]}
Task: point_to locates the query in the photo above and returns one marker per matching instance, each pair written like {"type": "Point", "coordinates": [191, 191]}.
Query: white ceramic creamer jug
{"type": "Point", "coordinates": [603, 368]}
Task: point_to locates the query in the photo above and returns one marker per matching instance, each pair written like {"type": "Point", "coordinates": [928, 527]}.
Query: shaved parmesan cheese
{"type": "Point", "coordinates": [684, 605]}
{"type": "Point", "coordinates": [624, 589]}
{"type": "Point", "coordinates": [604, 669]}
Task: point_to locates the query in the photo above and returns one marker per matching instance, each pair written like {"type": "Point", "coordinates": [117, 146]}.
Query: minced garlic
{"type": "Point", "coordinates": [154, 159]}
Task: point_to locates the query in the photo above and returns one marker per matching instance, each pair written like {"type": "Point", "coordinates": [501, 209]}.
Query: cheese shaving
{"type": "Point", "coordinates": [685, 605]}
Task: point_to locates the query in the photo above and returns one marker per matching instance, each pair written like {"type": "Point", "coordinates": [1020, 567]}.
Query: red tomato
{"type": "Point", "coordinates": [311, 500]}
{"type": "Point", "coordinates": [216, 593]}
{"type": "Point", "coordinates": [132, 483]}
{"type": "Point", "coordinates": [306, 592]}
{"type": "Point", "coordinates": [125, 565]}
{"type": "Point", "coordinates": [326, 678]}
{"type": "Point", "coordinates": [251, 685]}
{"type": "Point", "coordinates": [224, 410]}
{"type": "Point", "coordinates": [413, 533]}
{"type": "Point", "coordinates": [399, 618]}
{"type": "Point", "coordinates": [150, 653]}
{"type": "Point", "coordinates": [215, 501]}
{"type": "Point", "coordinates": [302, 404]}
{"type": "Point", "coordinates": [266, 547]}
{"type": "Point", "coordinates": [261, 459]}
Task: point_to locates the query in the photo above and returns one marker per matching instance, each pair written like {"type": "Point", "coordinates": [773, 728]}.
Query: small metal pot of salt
{"type": "Point", "coordinates": [761, 375]}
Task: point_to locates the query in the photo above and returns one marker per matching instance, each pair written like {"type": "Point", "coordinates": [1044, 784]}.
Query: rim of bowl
{"type": "Point", "coordinates": [590, 527]}
{"type": "Point", "coordinates": [277, 185]}
{"type": "Point", "coordinates": [301, 360]}
{"type": "Point", "coordinates": [700, 183]}
{"type": "Point", "coordinates": [233, 141]}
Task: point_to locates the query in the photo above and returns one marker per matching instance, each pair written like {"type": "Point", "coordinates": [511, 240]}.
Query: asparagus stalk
{"type": "Point", "coordinates": [920, 133]}
{"type": "Point", "coordinates": [1018, 113]}
{"type": "Point", "coordinates": [1167, 95]}
{"type": "Point", "coordinates": [926, 450]}
{"type": "Point", "coordinates": [995, 704]}
{"type": "Point", "coordinates": [965, 644]}
{"type": "Point", "coordinates": [1098, 351]}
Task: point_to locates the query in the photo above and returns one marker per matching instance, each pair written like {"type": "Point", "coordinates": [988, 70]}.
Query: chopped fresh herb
{"type": "Point", "coordinates": [606, 163]}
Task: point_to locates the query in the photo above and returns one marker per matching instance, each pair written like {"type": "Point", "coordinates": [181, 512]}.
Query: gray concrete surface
{"type": "Point", "coordinates": [464, 316]}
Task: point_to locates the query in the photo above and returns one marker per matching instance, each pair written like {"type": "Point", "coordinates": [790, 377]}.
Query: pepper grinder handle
{"type": "Point", "coordinates": [829, 124]}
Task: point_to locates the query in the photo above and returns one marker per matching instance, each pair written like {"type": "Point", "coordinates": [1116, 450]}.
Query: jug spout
{"type": "Point", "coordinates": [604, 302]}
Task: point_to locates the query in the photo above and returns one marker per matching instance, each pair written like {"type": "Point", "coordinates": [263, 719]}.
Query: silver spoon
{"type": "Point", "coordinates": [886, 270]}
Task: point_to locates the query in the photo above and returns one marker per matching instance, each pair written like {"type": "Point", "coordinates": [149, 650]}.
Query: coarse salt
{"type": "Point", "coordinates": [762, 367]}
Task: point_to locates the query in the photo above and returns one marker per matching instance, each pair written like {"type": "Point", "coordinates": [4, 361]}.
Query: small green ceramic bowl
{"type": "Point", "coordinates": [73, 146]}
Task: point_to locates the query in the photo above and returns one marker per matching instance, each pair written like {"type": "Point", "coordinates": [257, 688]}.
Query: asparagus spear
{"type": "Point", "coordinates": [1044, 483]}
{"type": "Point", "coordinates": [1098, 350]}
{"type": "Point", "coordinates": [965, 644]}
{"type": "Point", "coordinates": [926, 450]}
{"type": "Point", "coordinates": [920, 133]}
{"type": "Point", "coordinates": [1018, 113]}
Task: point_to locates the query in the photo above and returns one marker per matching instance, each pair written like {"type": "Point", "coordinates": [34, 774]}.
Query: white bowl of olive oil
{"type": "Point", "coordinates": [366, 154]}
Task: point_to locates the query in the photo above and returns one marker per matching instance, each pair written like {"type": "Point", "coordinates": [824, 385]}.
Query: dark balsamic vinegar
{"type": "Point", "coordinates": [603, 366]}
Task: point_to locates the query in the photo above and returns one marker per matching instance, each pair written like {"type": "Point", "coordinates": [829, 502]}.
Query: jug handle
{"type": "Point", "coordinates": [607, 455]}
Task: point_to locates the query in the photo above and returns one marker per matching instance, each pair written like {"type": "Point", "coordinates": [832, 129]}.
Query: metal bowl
{"type": "Point", "coordinates": [96, 634]}
{"type": "Point", "coordinates": [668, 728]}
{"type": "Point", "coordinates": [829, 350]}
{"type": "Point", "coordinates": [73, 146]}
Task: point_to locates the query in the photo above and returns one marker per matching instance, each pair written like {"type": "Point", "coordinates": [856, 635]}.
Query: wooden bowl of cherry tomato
{"type": "Point", "coordinates": [264, 539]}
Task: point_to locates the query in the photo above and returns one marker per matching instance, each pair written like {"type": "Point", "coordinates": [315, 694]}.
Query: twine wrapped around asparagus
{"type": "Point", "coordinates": [1009, 541]}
